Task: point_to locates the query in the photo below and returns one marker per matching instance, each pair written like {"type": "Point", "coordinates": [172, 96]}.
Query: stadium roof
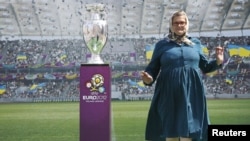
{"type": "Point", "coordinates": [126, 18]}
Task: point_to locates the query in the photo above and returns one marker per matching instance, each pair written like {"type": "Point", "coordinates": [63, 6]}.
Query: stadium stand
{"type": "Point", "coordinates": [46, 71]}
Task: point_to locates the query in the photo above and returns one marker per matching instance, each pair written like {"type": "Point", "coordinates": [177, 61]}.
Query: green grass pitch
{"type": "Point", "coordinates": [60, 121]}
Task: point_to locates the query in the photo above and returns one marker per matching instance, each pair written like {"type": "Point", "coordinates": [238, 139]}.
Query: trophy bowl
{"type": "Point", "coordinates": [95, 33]}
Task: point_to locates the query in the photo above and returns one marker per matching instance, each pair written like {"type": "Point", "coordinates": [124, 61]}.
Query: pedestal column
{"type": "Point", "coordinates": [95, 101]}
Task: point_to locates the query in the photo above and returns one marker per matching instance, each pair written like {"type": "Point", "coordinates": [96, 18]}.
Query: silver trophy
{"type": "Point", "coordinates": [95, 32]}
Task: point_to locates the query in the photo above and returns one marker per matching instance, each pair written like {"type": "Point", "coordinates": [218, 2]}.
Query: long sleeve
{"type": "Point", "coordinates": [154, 65]}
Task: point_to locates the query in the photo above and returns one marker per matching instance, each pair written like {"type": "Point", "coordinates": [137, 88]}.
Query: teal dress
{"type": "Point", "coordinates": [178, 107]}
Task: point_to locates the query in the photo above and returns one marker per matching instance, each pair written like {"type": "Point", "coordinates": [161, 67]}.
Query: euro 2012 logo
{"type": "Point", "coordinates": [96, 83]}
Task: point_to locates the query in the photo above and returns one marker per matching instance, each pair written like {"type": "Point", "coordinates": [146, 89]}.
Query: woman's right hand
{"type": "Point", "coordinates": [146, 78]}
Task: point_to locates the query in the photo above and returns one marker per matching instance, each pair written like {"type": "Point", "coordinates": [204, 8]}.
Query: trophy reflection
{"type": "Point", "coordinates": [95, 32]}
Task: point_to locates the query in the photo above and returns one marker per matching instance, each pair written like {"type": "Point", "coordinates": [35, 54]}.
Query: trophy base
{"type": "Point", "coordinates": [95, 59]}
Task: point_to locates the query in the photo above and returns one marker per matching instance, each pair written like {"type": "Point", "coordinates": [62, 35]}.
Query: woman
{"type": "Point", "coordinates": [178, 110]}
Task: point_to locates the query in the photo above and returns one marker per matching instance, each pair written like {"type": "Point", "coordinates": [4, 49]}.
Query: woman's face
{"type": "Point", "coordinates": [179, 25]}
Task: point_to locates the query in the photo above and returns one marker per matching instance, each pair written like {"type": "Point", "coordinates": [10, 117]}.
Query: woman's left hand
{"type": "Point", "coordinates": [219, 55]}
